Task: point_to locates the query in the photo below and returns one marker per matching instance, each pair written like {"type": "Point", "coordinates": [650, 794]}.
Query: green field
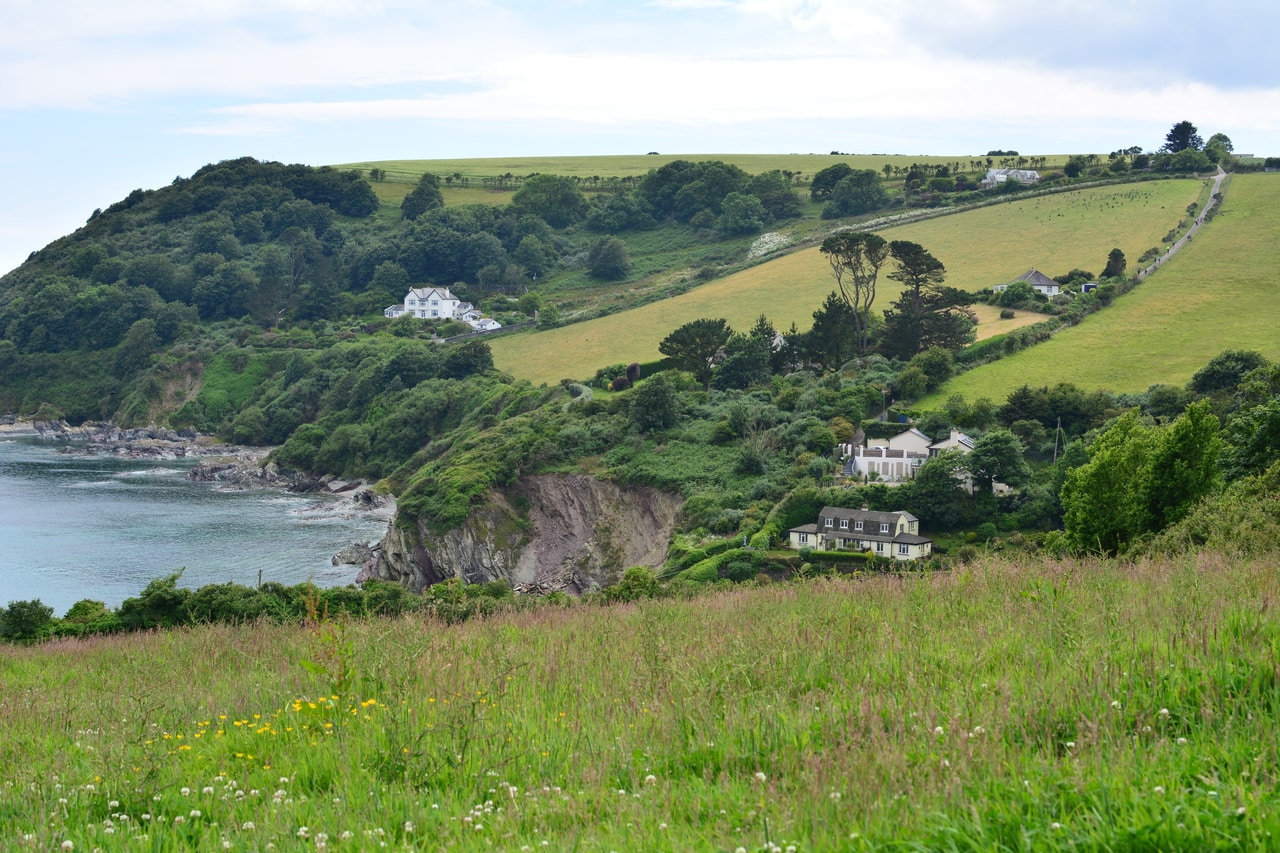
{"type": "Point", "coordinates": [629, 165]}
{"type": "Point", "coordinates": [1054, 233]}
{"type": "Point", "coordinates": [1219, 292]}
{"type": "Point", "coordinates": [1006, 706]}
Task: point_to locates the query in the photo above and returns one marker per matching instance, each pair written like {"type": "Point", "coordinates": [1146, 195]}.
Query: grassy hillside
{"type": "Point", "coordinates": [1218, 293]}
{"type": "Point", "coordinates": [1061, 706]}
{"type": "Point", "coordinates": [990, 245]}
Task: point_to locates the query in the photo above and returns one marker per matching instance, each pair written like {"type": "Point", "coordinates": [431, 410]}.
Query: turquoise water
{"type": "Point", "coordinates": [75, 526]}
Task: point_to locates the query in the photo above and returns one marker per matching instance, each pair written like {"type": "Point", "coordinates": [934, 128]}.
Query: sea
{"type": "Point", "coordinates": [76, 526]}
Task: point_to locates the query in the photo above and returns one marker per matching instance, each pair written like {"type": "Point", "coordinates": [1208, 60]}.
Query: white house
{"type": "Point", "coordinates": [432, 303]}
{"type": "Point", "coordinates": [1039, 282]}
{"type": "Point", "coordinates": [957, 440]}
{"type": "Point", "coordinates": [894, 535]}
{"type": "Point", "coordinates": [995, 177]}
{"type": "Point", "coordinates": [898, 458]}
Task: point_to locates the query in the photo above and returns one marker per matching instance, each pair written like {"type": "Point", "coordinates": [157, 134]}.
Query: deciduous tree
{"type": "Point", "coordinates": [425, 196]}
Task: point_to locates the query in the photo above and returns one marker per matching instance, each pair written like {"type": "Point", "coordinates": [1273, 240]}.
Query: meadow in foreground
{"type": "Point", "coordinates": [1005, 706]}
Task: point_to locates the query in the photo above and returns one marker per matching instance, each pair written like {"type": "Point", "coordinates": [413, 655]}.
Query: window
{"type": "Point", "coordinates": [879, 547]}
{"type": "Point", "coordinates": [884, 527]}
{"type": "Point", "coordinates": [803, 538]}
{"type": "Point", "coordinates": [904, 550]}
{"type": "Point", "coordinates": [435, 302]}
{"type": "Point", "coordinates": [828, 522]}
{"type": "Point", "coordinates": [857, 525]}
{"type": "Point", "coordinates": [844, 524]}
{"type": "Point", "coordinates": [435, 313]}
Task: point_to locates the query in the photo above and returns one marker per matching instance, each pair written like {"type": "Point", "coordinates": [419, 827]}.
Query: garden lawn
{"type": "Point", "coordinates": [1219, 292]}
{"type": "Point", "coordinates": [982, 247]}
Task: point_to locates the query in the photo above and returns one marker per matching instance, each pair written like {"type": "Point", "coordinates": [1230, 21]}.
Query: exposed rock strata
{"type": "Point", "coordinates": [567, 532]}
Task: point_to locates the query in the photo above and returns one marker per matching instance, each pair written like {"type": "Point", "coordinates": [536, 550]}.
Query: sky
{"type": "Point", "coordinates": [99, 98]}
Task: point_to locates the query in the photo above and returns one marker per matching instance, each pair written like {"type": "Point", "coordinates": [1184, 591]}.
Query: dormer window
{"type": "Point", "coordinates": [857, 525]}
{"type": "Point", "coordinates": [844, 524]}
{"type": "Point", "coordinates": [828, 522]}
{"type": "Point", "coordinates": [884, 527]}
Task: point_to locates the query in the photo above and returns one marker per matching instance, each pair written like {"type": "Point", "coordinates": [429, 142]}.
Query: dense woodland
{"type": "Point", "coordinates": [246, 301]}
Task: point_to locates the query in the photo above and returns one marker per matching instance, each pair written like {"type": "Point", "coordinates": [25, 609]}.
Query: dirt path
{"type": "Point", "coordinates": [1191, 232]}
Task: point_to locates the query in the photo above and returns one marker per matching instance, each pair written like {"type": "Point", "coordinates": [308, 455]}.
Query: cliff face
{"type": "Point", "coordinates": [567, 532]}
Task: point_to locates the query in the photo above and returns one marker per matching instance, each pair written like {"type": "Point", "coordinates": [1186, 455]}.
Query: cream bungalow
{"type": "Point", "coordinates": [892, 535]}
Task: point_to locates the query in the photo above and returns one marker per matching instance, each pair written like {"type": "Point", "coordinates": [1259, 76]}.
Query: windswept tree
{"type": "Point", "coordinates": [856, 258]}
{"type": "Point", "coordinates": [927, 314]}
{"type": "Point", "coordinates": [693, 346]}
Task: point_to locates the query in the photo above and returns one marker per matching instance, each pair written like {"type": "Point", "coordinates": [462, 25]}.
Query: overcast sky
{"type": "Point", "coordinates": [98, 98]}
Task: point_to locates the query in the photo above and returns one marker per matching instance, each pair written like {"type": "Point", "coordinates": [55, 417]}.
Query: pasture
{"type": "Point", "coordinates": [635, 165]}
{"type": "Point", "coordinates": [1219, 292]}
{"type": "Point", "coordinates": [1006, 706]}
{"type": "Point", "coordinates": [981, 247]}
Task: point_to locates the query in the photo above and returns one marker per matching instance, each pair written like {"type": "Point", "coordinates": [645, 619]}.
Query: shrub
{"type": "Point", "coordinates": [637, 582]}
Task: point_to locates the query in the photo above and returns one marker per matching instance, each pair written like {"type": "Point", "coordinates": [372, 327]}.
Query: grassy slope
{"type": "Point", "coordinates": [980, 248]}
{"type": "Point", "coordinates": [1218, 293]}
{"type": "Point", "coordinates": [1011, 706]}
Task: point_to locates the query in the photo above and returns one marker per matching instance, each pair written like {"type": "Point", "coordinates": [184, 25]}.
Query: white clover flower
{"type": "Point", "coordinates": [1182, 741]}
{"type": "Point", "coordinates": [760, 777]}
{"type": "Point", "coordinates": [208, 789]}
{"type": "Point", "coordinates": [1240, 812]}
{"type": "Point", "coordinates": [662, 826]}
{"type": "Point", "coordinates": [1159, 789]}
{"type": "Point", "coordinates": [68, 845]}
{"type": "Point", "coordinates": [938, 730]}
{"type": "Point", "coordinates": [1071, 744]}
{"type": "Point", "coordinates": [186, 792]}
{"type": "Point", "coordinates": [1164, 712]}
{"type": "Point", "coordinates": [248, 826]}
{"type": "Point", "coordinates": [1116, 704]}
{"type": "Point", "coordinates": [650, 779]}
{"type": "Point", "coordinates": [195, 813]}
{"type": "Point", "coordinates": [114, 804]}
{"type": "Point", "coordinates": [408, 826]}
{"type": "Point", "coordinates": [303, 832]}
{"type": "Point", "coordinates": [1055, 826]}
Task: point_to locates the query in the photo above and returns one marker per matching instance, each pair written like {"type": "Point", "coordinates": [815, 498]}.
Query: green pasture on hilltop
{"type": "Point", "coordinates": [634, 165]}
{"type": "Point", "coordinates": [1219, 292]}
{"type": "Point", "coordinates": [982, 247]}
{"type": "Point", "coordinates": [1008, 705]}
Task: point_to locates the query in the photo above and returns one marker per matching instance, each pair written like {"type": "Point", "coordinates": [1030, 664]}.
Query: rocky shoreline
{"type": "Point", "coordinates": [227, 466]}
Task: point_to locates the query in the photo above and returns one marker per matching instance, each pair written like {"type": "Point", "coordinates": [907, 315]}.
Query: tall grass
{"type": "Point", "coordinates": [1008, 706]}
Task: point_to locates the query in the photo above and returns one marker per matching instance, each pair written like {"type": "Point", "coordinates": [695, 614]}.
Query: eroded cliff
{"type": "Point", "coordinates": [567, 532]}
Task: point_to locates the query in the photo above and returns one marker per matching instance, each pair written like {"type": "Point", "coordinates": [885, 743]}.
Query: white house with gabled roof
{"type": "Point", "coordinates": [438, 303]}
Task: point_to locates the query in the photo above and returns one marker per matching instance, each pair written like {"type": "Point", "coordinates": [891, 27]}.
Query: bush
{"type": "Point", "coordinates": [637, 582]}
{"type": "Point", "coordinates": [738, 571]}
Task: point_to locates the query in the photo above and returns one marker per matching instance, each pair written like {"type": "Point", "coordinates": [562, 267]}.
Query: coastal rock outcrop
{"type": "Point", "coordinates": [549, 532]}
